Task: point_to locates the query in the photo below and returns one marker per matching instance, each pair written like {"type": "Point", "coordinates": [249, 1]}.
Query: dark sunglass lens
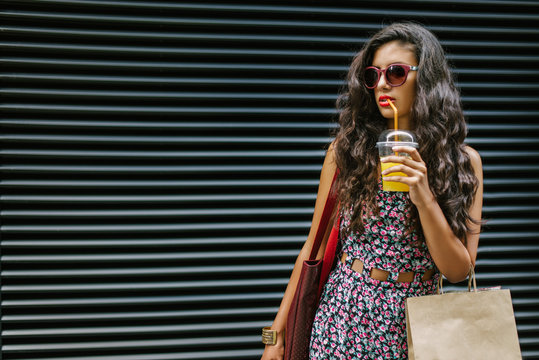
{"type": "Point", "coordinates": [371, 77]}
{"type": "Point", "coordinates": [395, 74]}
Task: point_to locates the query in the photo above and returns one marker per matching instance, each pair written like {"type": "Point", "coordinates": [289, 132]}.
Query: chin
{"type": "Point", "coordinates": [386, 113]}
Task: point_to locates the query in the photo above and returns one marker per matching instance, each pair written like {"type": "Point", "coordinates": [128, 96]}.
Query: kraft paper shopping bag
{"type": "Point", "coordinates": [462, 325]}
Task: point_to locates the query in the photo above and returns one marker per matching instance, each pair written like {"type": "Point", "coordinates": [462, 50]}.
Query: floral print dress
{"type": "Point", "coordinates": [362, 318]}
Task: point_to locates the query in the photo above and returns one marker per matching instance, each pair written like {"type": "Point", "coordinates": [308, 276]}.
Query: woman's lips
{"type": "Point", "coordinates": [382, 100]}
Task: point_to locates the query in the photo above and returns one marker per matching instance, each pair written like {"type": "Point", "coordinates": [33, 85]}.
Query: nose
{"type": "Point", "coordinates": [382, 82]}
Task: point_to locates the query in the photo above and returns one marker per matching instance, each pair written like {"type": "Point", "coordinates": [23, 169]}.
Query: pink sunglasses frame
{"type": "Point", "coordinates": [407, 69]}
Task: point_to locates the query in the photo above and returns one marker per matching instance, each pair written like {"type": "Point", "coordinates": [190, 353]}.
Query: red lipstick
{"type": "Point", "coordinates": [382, 100]}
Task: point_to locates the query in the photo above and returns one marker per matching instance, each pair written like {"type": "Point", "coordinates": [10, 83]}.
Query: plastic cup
{"type": "Point", "coordinates": [387, 140]}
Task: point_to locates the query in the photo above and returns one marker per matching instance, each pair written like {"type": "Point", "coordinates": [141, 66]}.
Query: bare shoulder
{"type": "Point", "coordinates": [475, 158]}
{"type": "Point", "coordinates": [332, 145]}
{"type": "Point", "coordinates": [330, 154]}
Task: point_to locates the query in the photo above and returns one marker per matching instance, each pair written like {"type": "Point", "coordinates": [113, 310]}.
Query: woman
{"type": "Point", "coordinates": [394, 245]}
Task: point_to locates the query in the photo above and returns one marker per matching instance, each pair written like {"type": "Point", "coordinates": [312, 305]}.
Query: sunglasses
{"type": "Point", "coordinates": [395, 74]}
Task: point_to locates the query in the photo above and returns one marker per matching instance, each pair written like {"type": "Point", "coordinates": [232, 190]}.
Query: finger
{"type": "Point", "coordinates": [390, 169]}
{"type": "Point", "coordinates": [391, 158]}
{"type": "Point", "coordinates": [419, 166]}
{"type": "Point", "coordinates": [414, 154]}
{"type": "Point", "coordinates": [401, 179]}
{"type": "Point", "coordinates": [408, 171]}
{"type": "Point", "coordinates": [397, 178]}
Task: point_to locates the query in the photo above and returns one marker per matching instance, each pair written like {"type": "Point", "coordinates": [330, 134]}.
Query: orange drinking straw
{"type": "Point", "coordinates": [396, 116]}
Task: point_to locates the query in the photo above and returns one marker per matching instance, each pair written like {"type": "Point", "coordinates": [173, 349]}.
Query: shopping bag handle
{"type": "Point", "coordinates": [471, 279]}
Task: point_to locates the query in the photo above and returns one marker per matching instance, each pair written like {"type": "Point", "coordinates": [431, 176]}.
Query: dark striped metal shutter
{"type": "Point", "coordinates": [159, 163]}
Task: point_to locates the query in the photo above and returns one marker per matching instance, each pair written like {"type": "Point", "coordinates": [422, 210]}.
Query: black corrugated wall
{"type": "Point", "coordinates": [159, 163]}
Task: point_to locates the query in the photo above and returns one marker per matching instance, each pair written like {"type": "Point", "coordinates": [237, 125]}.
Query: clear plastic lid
{"type": "Point", "coordinates": [401, 137]}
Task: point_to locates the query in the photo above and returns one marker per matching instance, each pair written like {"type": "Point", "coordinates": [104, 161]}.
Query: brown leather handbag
{"type": "Point", "coordinates": [305, 302]}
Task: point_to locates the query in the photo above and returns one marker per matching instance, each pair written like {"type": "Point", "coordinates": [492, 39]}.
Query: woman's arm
{"type": "Point", "coordinates": [279, 324]}
{"type": "Point", "coordinates": [451, 256]}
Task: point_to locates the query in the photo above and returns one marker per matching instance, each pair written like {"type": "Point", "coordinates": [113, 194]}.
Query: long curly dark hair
{"type": "Point", "coordinates": [440, 128]}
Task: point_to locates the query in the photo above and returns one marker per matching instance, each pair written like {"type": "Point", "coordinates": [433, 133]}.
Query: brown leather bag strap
{"type": "Point", "coordinates": [324, 220]}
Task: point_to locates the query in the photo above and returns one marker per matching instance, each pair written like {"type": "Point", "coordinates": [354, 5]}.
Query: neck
{"type": "Point", "coordinates": [404, 124]}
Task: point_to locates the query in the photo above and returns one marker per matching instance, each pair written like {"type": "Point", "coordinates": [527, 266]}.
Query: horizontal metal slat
{"type": "Point", "coordinates": [7, 153]}
{"type": "Point", "coordinates": [245, 68]}
{"type": "Point", "coordinates": [513, 222]}
{"type": "Point", "coordinates": [156, 198]}
{"type": "Point", "coordinates": [482, 264]}
{"type": "Point", "coordinates": [168, 65]}
{"type": "Point", "coordinates": [152, 35]}
{"type": "Point", "coordinates": [200, 213]}
{"type": "Point", "coordinates": [509, 3]}
{"type": "Point", "coordinates": [488, 71]}
{"type": "Point", "coordinates": [29, 123]}
{"type": "Point", "coordinates": [179, 125]}
{"type": "Point", "coordinates": [142, 300]}
{"type": "Point", "coordinates": [491, 154]}
{"type": "Point", "coordinates": [177, 95]}
{"type": "Point", "coordinates": [512, 209]}
{"type": "Point", "coordinates": [174, 170]}
{"type": "Point", "coordinates": [494, 128]}
{"type": "Point", "coordinates": [233, 37]}
{"type": "Point", "coordinates": [276, 9]}
{"type": "Point", "coordinates": [527, 328]}
{"type": "Point", "coordinates": [167, 110]}
{"type": "Point", "coordinates": [171, 110]}
{"type": "Point", "coordinates": [200, 355]}
{"type": "Point", "coordinates": [229, 52]}
{"type": "Point", "coordinates": [142, 286]}
{"type": "Point", "coordinates": [135, 344]}
{"type": "Point", "coordinates": [492, 58]}
{"type": "Point", "coordinates": [193, 154]}
{"type": "Point", "coordinates": [527, 354]}
{"type": "Point", "coordinates": [527, 315]}
{"type": "Point", "coordinates": [513, 262]}
{"type": "Point", "coordinates": [507, 249]}
{"type": "Point", "coordinates": [499, 99]}
{"type": "Point", "coordinates": [133, 50]}
{"type": "Point", "coordinates": [270, 23]}
{"type": "Point", "coordinates": [504, 276]}
{"type": "Point", "coordinates": [490, 85]}
{"type": "Point", "coordinates": [108, 257]}
{"type": "Point", "coordinates": [172, 184]}
{"type": "Point", "coordinates": [115, 330]}
{"type": "Point", "coordinates": [156, 242]}
{"type": "Point", "coordinates": [515, 235]}
{"type": "Point", "coordinates": [192, 95]}
{"type": "Point", "coordinates": [198, 314]}
{"type": "Point", "coordinates": [156, 228]}
{"type": "Point", "coordinates": [526, 302]}
{"type": "Point", "coordinates": [532, 168]}
{"type": "Point", "coordinates": [504, 140]}
{"type": "Point", "coordinates": [143, 271]}
{"type": "Point", "coordinates": [168, 154]}
{"type": "Point", "coordinates": [510, 195]}
{"type": "Point", "coordinates": [215, 139]}
{"type": "Point", "coordinates": [158, 213]}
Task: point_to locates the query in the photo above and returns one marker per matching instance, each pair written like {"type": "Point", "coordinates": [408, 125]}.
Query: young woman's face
{"type": "Point", "coordinates": [395, 52]}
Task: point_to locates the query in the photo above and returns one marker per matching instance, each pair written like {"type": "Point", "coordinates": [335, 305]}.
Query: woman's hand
{"type": "Point", "coordinates": [274, 352]}
{"type": "Point", "coordinates": [415, 169]}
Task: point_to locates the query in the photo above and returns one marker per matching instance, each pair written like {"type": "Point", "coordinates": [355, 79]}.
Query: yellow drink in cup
{"type": "Point", "coordinates": [389, 139]}
{"type": "Point", "coordinates": [393, 185]}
